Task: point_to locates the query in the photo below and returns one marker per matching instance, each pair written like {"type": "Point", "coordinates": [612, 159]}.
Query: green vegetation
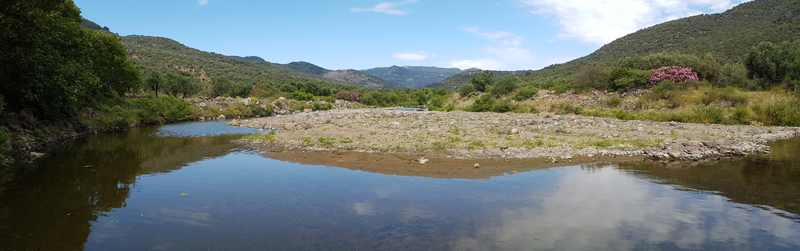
{"type": "Point", "coordinates": [270, 136]}
{"type": "Point", "coordinates": [54, 66]}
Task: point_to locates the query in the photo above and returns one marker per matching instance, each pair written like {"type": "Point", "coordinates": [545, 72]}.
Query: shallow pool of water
{"type": "Point", "coordinates": [177, 187]}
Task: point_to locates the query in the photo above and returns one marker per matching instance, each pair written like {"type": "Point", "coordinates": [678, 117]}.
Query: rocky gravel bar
{"type": "Point", "coordinates": [466, 135]}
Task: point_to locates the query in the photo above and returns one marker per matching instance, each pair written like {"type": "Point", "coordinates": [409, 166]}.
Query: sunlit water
{"type": "Point", "coordinates": [186, 187]}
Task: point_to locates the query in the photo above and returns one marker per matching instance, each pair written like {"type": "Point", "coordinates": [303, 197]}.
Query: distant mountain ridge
{"type": "Point", "coordinates": [251, 58]}
{"type": "Point", "coordinates": [347, 76]}
{"type": "Point", "coordinates": [414, 76]}
{"type": "Point", "coordinates": [453, 82]}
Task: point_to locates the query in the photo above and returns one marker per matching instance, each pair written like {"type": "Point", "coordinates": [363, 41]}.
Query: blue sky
{"type": "Point", "coordinates": [361, 34]}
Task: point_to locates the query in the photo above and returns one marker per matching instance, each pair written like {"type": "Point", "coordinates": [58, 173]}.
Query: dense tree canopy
{"type": "Point", "coordinates": [51, 64]}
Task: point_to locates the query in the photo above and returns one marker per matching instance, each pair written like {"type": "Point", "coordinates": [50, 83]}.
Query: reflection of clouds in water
{"type": "Point", "coordinates": [363, 208]}
{"type": "Point", "coordinates": [608, 209]}
{"type": "Point", "coordinates": [184, 216]}
{"type": "Point", "coordinates": [417, 211]}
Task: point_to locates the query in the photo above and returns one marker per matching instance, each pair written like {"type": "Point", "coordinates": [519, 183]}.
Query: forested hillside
{"type": "Point", "coordinates": [163, 53]}
{"type": "Point", "coordinates": [414, 76]}
{"type": "Point", "coordinates": [725, 37]}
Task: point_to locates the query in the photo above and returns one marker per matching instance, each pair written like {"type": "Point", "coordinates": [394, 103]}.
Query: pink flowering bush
{"type": "Point", "coordinates": [348, 95]}
{"type": "Point", "coordinates": [678, 75]}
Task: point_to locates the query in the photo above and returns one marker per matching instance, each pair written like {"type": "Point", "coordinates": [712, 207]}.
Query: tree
{"type": "Point", "coordinates": [591, 76]}
{"type": "Point", "coordinates": [153, 80]}
{"type": "Point", "coordinates": [50, 63]}
{"type": "Point", "coordinates": [505, 85]}
{"type": "Point", "coordinates": [221, 86]}
{"type": "Point", "coordinates": [762, 62]}
{"type": "Point", "coordinates": [771, 62]}
{"type": "Point", "coordinates": [482, 79]}
{"type": "Point", "coordinates": [180, 84]}
{"type": "Point", "coordinates": [466, 89]}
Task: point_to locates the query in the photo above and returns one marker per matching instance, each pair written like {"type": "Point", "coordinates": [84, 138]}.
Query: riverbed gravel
{"type": "Point", "coordinates": [510, 135]}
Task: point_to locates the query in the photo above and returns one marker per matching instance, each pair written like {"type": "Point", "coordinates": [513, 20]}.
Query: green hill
{"type": "Point", "coordinates": [94, 26]}
{"type": "Point", "coordinates": [413, 76]}
{"type": "Point", "coordinates": [251, 58]}
{"type": "Point", "coordinates": [726, 36]}
{"type": "Point", "coordinates": [167, 54]}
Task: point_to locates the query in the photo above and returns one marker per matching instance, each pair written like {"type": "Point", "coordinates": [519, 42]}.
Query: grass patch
{"type": "Point", "coordinates": [270, 136]}
{"type": "Point", "coordinates": [603, 143]}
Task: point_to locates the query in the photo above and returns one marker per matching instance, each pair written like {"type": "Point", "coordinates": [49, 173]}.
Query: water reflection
{"type": "Point", "coordinates": [772, 179]}
{"type": "Point", "coordinates": [52, 207]}
{"type": "Point", "coordinates": [602, 209]}
{"type": "Point", "coordinates": [147, 190]}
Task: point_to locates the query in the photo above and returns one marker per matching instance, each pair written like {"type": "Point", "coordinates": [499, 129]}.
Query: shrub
{"type": "Point", "coordinates": [450, 107]}
{"type": "Point", "coordinates": [525, 93]}
{"type": "Point", "coordinates": [565, 108]}
{"type": "Point", "coordinates": [437, 102]}
{"type": "Point", "coordinates": [263, 90]}
{"type": "Point", "coordinates": [676, 74]}
{"type": "Point", "coordinates": [624, 79]}
{"type": "Point", "coordinates": [734, 74]}
{"type": "Point", "coordinates": [706, 66]}
{"type": "Point", "coordinates": [465, 89]}
{"type": "Point", "coordinates": [161, 109]}
{"type": "Point", "coordinates": [504, 85]}
{"type": "Point", "coordinates": [481, 80]}
{"type": "Point", "coordinates": [614, 101]}
{"type": "Point", "coordinates": [623, 115]}
{"type": "Point", "coordinates": [348, 95]}
{"type": "Point", "coordinates": [440, 92]}
{"type": "Point", "coordinates": [483, 104]}
{"type": "Point", "coordinates": [503, 106]}
{"type": "Point", "coordinates": [591, 76]}
{"type": "Point", "coordinates": [301, 95]}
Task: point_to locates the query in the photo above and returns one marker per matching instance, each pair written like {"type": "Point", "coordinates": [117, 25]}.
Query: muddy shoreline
{"type": "Point", "coordinates": [466, 135]}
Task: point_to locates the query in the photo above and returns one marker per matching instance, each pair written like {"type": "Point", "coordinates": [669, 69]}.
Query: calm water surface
{"type": "Point", "coordinates": [186, 187]}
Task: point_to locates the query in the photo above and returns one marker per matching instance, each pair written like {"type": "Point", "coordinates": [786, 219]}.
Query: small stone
{"type": "Point", "coordinates": [423, 160]}
{"type": "Point", "coordinates": [514, 130]}
{"type": "Point", "coordinates": [221, 117]}
{"type": "Point", "coordinates": [35, 155]}
{"type": "Point", "coordinates": [476, 165]}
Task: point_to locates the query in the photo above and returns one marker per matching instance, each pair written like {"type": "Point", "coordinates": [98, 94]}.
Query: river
{"type": "Point", "coordinates": [187, 187]}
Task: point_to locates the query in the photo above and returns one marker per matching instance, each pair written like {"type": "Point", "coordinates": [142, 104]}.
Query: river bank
{"type": "Point", "coordinates": [466, 135]}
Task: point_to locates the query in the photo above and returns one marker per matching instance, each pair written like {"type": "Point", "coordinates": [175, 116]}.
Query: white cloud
{"type": "Point", "coordinates": [506, 51]}
{"type": "Point", "coordinates": [602, 21]}
{"type": "Point", "coordinates": [414, 56]}
{"type": "Point", "coordinates": [202, 2]}
{"type": "Point", "coordinates": [388, 8]}
{"type": "Point", "coordinates": [484, 63]}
